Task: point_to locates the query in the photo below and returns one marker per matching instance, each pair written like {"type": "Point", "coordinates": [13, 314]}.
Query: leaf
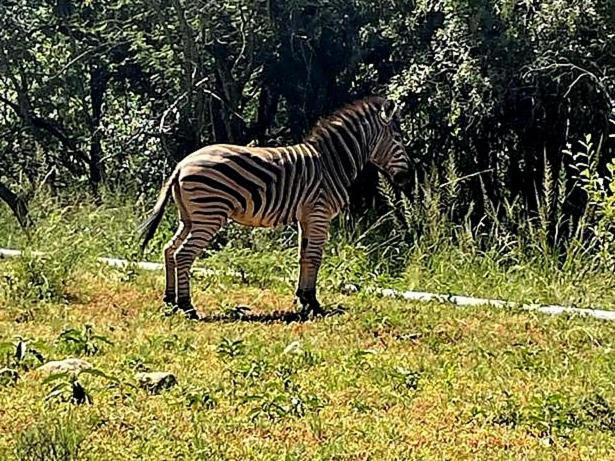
{"type": "Point", "coordinates": [104, 339]}
{"type": "Point", "coordinates": [98, 373]}
{"type": "Point", "coordinates": [74, 337]}
{"type": "Point", "coordinates": [56, 376]}
{"type": "Point", "coordinates": [58, 387]}
{"type": "Point", "coordinates": [80, 395]}
{"type": "Point", "coordinates": [37, 355]}
{"type": "Point", "coordinates": [20, 351]}
{"type": "Point", "coordinates": [70, 331]}
{"type": "Point", "coordinates": [54, 395]}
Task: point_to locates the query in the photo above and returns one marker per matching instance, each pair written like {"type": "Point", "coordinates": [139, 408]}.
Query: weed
{"type": "Point", "coordinates": [551, 416]}
{"type": "Point", "coordinates": [21, 354]}
{"type": "Point", "coordinates": [200, 399]}
{"type": "Point", "coordinates": [274, 404]}
{"type": "Point", "coordinates": [597, 412]}
{"type": "Point", "coordinates": [69, 388]}
{"type": "Point", "coordinates": [51, 439]}
{"type": "Point", "coordinates": [230, 348]}
{"type": "Point", "coordinates": [404, 379]}
{"type": "Point", "coordinates": [84, 341]}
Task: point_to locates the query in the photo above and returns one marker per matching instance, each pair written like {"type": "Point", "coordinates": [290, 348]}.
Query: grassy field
{"type": "Point", "coordinates": [380, 380]}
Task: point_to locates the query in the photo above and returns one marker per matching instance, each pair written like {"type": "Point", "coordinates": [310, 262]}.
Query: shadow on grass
{"type": "Point", "coordinates": [287, 316]}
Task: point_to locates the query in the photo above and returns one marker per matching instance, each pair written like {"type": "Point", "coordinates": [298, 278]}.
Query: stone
{"type": "Point", "coordinates": [349, 289]}
{"type": "Point", "coordinates": [156, 381]}
{"type": "Point", "coordinates": [64, 366]}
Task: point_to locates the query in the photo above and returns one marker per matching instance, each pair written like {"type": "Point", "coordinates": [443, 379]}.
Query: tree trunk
{"type": "Point", "coordinates": [17, 205]}
{"type": "Point", "coordinates": [98, 86]}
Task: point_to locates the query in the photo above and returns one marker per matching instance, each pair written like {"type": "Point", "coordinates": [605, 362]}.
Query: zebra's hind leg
{"type": "Point", "coordinates": [169, 262]}
{"type": "Point", "coordinates": [200, 236]}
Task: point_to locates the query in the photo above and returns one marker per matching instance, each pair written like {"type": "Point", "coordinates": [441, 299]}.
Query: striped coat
{"type": "Point", "coordinates": [306, 183]}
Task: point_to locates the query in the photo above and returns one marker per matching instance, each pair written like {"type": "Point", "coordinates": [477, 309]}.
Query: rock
{"type": "Point", "coordinates": [349, 289]}
{"type": "Point", "coordinates": [156, 381]}
{"type": "Point", "coordinates": [8, 376]}
{"type": "Point", "coordinates": [64, 366]}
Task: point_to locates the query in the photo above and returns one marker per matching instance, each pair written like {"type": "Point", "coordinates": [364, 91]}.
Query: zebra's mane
{"type": "Point", "coordinates": [323, 124]}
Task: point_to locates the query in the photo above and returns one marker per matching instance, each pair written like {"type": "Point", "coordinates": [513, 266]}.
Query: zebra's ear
{"type": "Point", "coordinates": [389, 108]}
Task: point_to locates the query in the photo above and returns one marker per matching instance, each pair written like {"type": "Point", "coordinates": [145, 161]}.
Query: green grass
{"type": "Point", "coordinates": [386, 380]}
{"type": "Point", "coordinates": [76, 232]}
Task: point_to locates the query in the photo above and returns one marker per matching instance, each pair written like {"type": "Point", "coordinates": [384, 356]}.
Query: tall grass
{"type": "Point", "coordinates": [426, 241]}
{"type": "Point", "coordinates": [52, 439]}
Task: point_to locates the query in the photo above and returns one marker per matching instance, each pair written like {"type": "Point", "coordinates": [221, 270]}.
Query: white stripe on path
{"type": "Point", "coordinates": [462, 301]}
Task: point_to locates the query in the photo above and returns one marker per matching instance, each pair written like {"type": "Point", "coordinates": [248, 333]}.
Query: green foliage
{"type": "Point", "coordinates": [493, 89]}
{"type": "Point", "coordinates": [21, 354]}
{"type": "Point", "coordinates": [230, 348]}
{"type": "Point", "coordinates": [599, 215]}
{"type": "Point", "coordinates": [84, 341]}
{"type": "Point", "coordinates": [35, 278]}
{"type": "Point", "coordinates": [55, 438]}
{"type": "Point", "coordinates": [200, 399]}
{"type": "Point", "coordinates": [67, 387]}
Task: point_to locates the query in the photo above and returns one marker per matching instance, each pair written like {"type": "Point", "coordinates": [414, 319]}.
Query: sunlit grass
{"type": "Point", "coordinates": [386, 380]}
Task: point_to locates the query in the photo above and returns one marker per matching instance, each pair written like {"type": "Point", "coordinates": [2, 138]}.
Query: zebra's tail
{"type": "Point", "coordinates": [148, 228]}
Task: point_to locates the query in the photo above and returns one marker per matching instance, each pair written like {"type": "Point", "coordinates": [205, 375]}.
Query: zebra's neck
{"type": "Point", "coordinates": [344, 142]}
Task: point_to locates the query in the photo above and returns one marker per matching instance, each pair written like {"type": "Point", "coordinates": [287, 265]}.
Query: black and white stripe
{"type": "Point", "coordinates": [307, 183]}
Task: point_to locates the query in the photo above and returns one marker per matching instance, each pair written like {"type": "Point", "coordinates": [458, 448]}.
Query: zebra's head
{"type": "Point", "coordinates": [389, 153]}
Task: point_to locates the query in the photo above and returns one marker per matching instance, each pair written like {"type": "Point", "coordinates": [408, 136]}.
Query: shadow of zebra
{"type": "Point", "coordinates": [279, 316]}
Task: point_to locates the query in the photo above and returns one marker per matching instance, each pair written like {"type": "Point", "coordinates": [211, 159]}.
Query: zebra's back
{"type": "Point", "coordinates": [255, 186]}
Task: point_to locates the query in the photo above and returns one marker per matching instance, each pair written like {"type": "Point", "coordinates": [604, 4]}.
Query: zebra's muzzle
{"type": "Point", "coordinates": [401, 178]}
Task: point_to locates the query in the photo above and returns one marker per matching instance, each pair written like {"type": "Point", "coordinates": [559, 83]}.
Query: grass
{"type": "Point", "coordinates": [386, 380]}
{"type": "Point", "coordinates": [505, 267]}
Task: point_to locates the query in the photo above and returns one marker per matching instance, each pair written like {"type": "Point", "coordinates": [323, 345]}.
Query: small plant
{"type": "Point", "coordinates": [598, 413]}
{"type": "Point", "coordinates": [8, 377]}
{"type": "Point", "coordinates": [507, 413]}
{"type": "Point", "coordinates": [230, 348]}
{"type": "Point", "coordinates": [57, 439]}
{"type": "Point", "coordinates": [21, 354]}
{"type": "Point", "coordinates": [84, 341]}
{"type": "Point", "coordinates": [200, 398]}
{"type": "Point", "coordinates": [551, 416]}
{"type": "Point", "coordinates": [136, 363]}
{"type": "Point", "coordinates": [253, 370]}
{"type": "Point", "coordinates": [68, 387]}
{"type": "Point", "coordinates": [404, 379]}
{"type": "Point", "coordinates": [274, 404]}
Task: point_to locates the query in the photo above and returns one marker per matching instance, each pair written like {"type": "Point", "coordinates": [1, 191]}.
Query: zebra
{"type": "Point", "coordinates": [307, 183]}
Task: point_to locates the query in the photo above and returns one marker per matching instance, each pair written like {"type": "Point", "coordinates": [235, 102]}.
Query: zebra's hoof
{"type": "Point", "coordinates": [169, 299]}
{"type": "Point", "coordinates": [312, 311]}
{"type": "Point", "coordinates": [192, 314]}
{"type": "Point", "coordinates": [188, 309]}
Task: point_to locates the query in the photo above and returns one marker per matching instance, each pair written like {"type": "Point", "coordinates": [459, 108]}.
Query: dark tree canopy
{"type": "Point", "coordinates": [112, 93]}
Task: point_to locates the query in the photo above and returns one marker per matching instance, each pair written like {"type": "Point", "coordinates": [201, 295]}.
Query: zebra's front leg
{"type": "Point", "coordinates": [312, 238]}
